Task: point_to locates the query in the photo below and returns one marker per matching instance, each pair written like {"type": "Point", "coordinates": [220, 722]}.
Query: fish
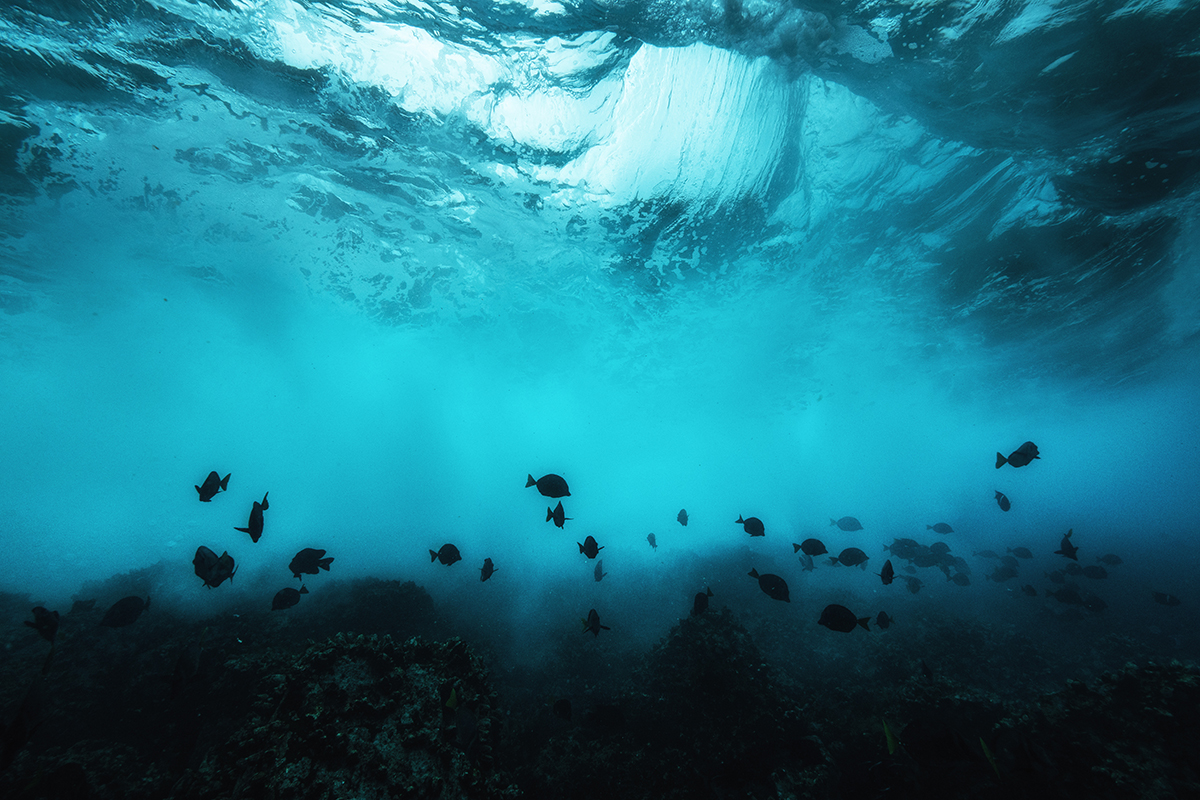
{"type": "Point", "coordinates": [592, 623]}
{"type": "Point", "coordinates": [807, 561]}
{"type": "Point", "coordinates": [125, 612]}
{"type": "Point", "coordinates": [1066, 549]}
{"type": "Point", "coordinates": [939, 527]}
{"type": "Point", "coordinates": [1029, 590]}
{"type": "Point", "coordinates": [1058, 576]}
{"type": "Point", "coordinates": [213, 569]}
{"type": "Point", "coordinates": [286, 598]}
{"type": "Point", "coordinates": [1166, 599]}
{"type": "Point", "coordinates": [81, 607]}
{"type": "Point", "coordinates": [45, 622]}
{"type": "Point", "coordinates": [847, 524]}
{"type": "Point", "coordinates": [682, 517]}
{"type": "Point", "coordinates": [752, 525]}
{"type": "Point", "coordinates": [773, 586]}
{"type": "Point", "coordinates": [486, 570]}
{"type": "Point", "coordinates": [1112, 559]}
{"type": "Point", "coordinates": [1019, 457]}
{"type": "Point", "coordinates": [914, 583]}
{"type": "Point", "coordinates": [700, 602]}
{"type": "Point", "coordinates": [1095, 573]}
{"type": "Point", "coordinates": [841, 619]}
{"type": "Point", "coordinates": [851, 557]}
{"type": "Point", "coordinates": [309, 561]}
{"type": "Point", "coordinates": [1010, 561]}
{"type": "Point", "coordinates": [888, 573]}
{"type": "Point", "coordinates": [549, 485]}
{"type": "Point", "coordinates": [811, 547]}
{"type": "Point", "coordinates": [1068, 594]}
{"type": "Point", "coordinates": [1020, 552]}
{"type": "Point", "coordinates": [599, 571]}
{"type": "Point", "coordinates": [557, 514]}
{"type": "Point", "coordinates": [1002, 501]}
{"type": "Point", "coordinates": [562, 709]}
{"type": "Point", "coordinates": [255, 526]}
{"type": "Point", "coordinates": [650, 539]}
{"type": "Point", "coordinates": [212, 484]}
{"type": "Point", "coordinates": [447, 555]}
{"type": "Point", "coordinates": [1073, 569]}
{"type": "Point", "coordinates": [589, 547]}
{"type": "Point", "coordinates": [1003, 573]}
{"type": "Point", "coordinates": [939, 548]}
{"type": "Point", "coordinates": [960, 579]}
{"type": "Point", "coordinates": [883, 620]}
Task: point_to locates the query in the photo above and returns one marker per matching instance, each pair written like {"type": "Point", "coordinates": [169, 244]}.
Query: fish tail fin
{"type": "Point", "coordinates": [832, 521]}
{"type": "Point", "coordinates": [753, 573]}
{"type": "Point", "coordinates": [865, 622]}
{"type": "Point", "coordinates": [549, 513]}
{"type": "Point", "coordinates": [579, 546]}
{"type": "Point", "coordinates": [708, 589]}
{"type": "Point", "coordinates": [585, 625]}
{"type": "Point", "coordinates": [324, 563]}
{"type": "Point", "coordinates": [303, 589]}
{"type": "Point", "coordinates": [243, 530]}
{"type": "Point", "coordinates": [795, 548]}
{"type": "Point", "coordinates": [1000, 460]}
{"type": "Point", "coordinates": [264, 503]}
{"type": "Point", "coordinates": [225, 482]}
{"type": "Point", "coordinates": [432, 556]}
{"type": "Point", "coordinates": [928, 527]}
{"type": "Point", "coordinates": [197, 488]}
{"type": "Point", "coordinates": [605, 628]}
{"type": "Point", "coordinates": [740, 521]}
{"type": "Point", "coordinates": [833, 560]}
{"type": "Point", "coordinates": [892, 742]}
{"type": "Point", "coordinates": [530, 482]}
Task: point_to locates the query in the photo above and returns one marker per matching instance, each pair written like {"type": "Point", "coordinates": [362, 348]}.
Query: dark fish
{"type": "Point", "coordinates": [811, 547]}
{"type": "Point", "coordinates": [212, 484]}
{"type": "Point", "coordinates": [773, 586]}
{"type": "Point", "coordinates": [884, 621]}
{"type": "Point", "coordinates": [81, 607]}
{"type": "Point", "coordinates": [308, 561]}
{"type": "Point", "coordinates": [1073, 569]}
{"type": "Point", "coordinates": [682, 517]}
{"type": "Point", "coordinates": [888, 573]}
{"type": "Point", "coordinates": [255, 526]}
{"type": "Point", "coordinates": [1002, 501]}
{"type": "Point", "coordinates": [940, 527]}
{"type": "Point", "coordinates": [599, 571]}
{"type": "Point", "coordinates": [557, 514]}
{"type": "Point", "coordinates": [939, 548]}
{"type": "Point", "coordinates": [592, 623]}
{"type": "Point", "coordinates": [841, 619]}
{"type": "Point", "coordinates": [1111, 559]}
{"type": "Point", "coordinates": [1003, 573]}
{"type": "Point", "coordinates": [847, 524]}
{"type": "Point", "coordinates": [1029, 590]}
{"type": "Point", "coordinates": [1010, 561]}
{"type": "Point", "coordinates": [45, 622]}
{"type": "Point", "coordinates": [562, 709]}
{"type": "Point", "coordinates": [650, 539]}
{"type": "Point", "coordinates": [1068, 594]}
{"type": "Point", "coordinates": [211, 568]}
{"type": "Point", "coordinates": [914, 584]}
{"type": "Point", "coordinates": [589, 547]}
{"type": "Point", "coordinates": [1019, 457]}
{"type": "Point", "coordinates": [549, 485]}
{"type": "Point", "coordinates": [447, 555]}
{"type": "Point", "coordinates": [1020, 552]}
{"type": "Point", "coordinates": [851, 557]}
{"type": "Point", "coordinates": [125, 612]}
{"type": "Point", "coordinates": [1066, 549]}
{"type": "Point", "coordinates": [1095, 573]}
{"type": "Point", "coordinates": [486, 570]}
{"type": "Point", "coordinates": [752, 525]}
{"type": "Point", "coordinates": [286, 598]}
{"type": "Point", "coordinates": [1166, 599]}
{"type": "Point", "coordinates": [1058, 576]}
{"type": "Point", "coordinates": [807, 561]}
{"type": "Point", "coordinates": [1093, 603]}
{"type": "Point", "coordinates": [960, 579]}
{"type": "Point", "coordinates": [987, 554]}
{"type": "Point", "coordinates": [700, 603]}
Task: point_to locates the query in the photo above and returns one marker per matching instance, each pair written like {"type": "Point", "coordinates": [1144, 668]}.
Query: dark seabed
{"type": "Point", "coordinates": [828, 266]}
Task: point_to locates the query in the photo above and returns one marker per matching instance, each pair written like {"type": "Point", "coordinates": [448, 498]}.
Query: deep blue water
{"type": "Point", "coordinates": [795, 260]}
